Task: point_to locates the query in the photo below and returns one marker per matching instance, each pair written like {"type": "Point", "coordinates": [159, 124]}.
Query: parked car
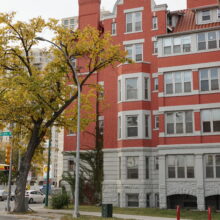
{"type": "Point", "coordinates": [3, 195]}
{"type": "Point", "coordinates": [35, 196]}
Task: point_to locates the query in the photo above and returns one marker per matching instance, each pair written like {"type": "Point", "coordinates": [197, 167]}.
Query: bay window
{"type": "Point", "coordinates": [179, 122]}
{"type": "Point", "coordinates": [131, 88]}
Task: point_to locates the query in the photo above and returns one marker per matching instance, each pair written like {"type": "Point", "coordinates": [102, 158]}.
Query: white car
{"type": "Point", "coordinates": [35, 196]}
{"type": "Point", "coordinates": [3, 195]}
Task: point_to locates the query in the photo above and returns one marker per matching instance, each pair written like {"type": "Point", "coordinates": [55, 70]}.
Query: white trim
{"type": "Point", "coordinates": [189, 107]}
{"type": "Point", "coordinates": [194, 92]}
{"type": "Point", "coordinates": [130, 149]}
{"type": "Point", "coordinates": [137, 41]}
{"type": "Point", "coordinates": [188, 67]}
{"type": "Point", "coordinates": [133, 10]}
{"type": "Point", "coordinates": [155, 112]}
{"type": "Point", "coordinates": [195, 133]}
{"type": "Point", "coordinates": [140, 86]}
{"type": "Point", "coordinates": [140, 124]}
{"type": "Point", "coordinates": [154, 75]}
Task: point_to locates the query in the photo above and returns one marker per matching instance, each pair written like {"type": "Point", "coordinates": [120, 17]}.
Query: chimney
{"type": "Point", "coordinates": [201, 3]}
{"type": "Point", "coordinates": [89, 13]}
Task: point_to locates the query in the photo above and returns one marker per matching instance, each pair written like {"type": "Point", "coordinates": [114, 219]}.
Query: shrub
{"type": "Point", "coordinates": [59, 201]}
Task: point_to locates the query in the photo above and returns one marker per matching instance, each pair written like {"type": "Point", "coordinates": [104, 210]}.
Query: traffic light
{"type": "Point", "coordinates": [7, 154]}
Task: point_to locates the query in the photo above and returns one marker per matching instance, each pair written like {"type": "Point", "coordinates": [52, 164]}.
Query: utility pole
{"type": "Point", "coordinates": [48, 170]}
{"type": "Point", "coordinates": [76, 203]}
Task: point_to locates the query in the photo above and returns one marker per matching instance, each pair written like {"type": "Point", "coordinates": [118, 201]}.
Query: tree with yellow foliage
{"type": "Point", "coordinates": [35, 99]}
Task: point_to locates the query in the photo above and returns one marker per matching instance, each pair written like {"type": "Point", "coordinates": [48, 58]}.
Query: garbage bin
{"type": "Point", "coordinates": [107, 210]}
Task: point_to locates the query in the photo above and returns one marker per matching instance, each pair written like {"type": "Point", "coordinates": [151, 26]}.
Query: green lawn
{"type": "Point", "coordinates": [194, 215]}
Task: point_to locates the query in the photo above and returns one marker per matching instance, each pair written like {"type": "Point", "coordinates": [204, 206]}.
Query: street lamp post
{"type": "Point", "coordinates": [77, 160]}
{"type": "Point", "coordinates": [48, 170]}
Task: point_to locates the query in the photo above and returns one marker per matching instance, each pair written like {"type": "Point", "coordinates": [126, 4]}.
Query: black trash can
{"type": "Point", "coordinates": [107, 210]}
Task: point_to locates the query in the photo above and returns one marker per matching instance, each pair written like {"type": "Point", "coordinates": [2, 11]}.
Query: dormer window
{"type": "Point", "coordinates": [206, 15]}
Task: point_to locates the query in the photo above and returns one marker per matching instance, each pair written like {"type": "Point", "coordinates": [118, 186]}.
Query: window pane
{"type": "Point", "coordinates": [209, 172]}
{"type": "Point", "coordinates": [147, 167]}
{"type": "Point", "coordinates": [178, 82]}
{"type": "Point", "coordinates": [214, 79]}
{"type": "Point", "coordinates": [129, 22]}
{"type": "Point", "coordinates": [131, 85]}
{"type": "Point", "coordinates": [212, 42]}
{"type": "Point", "coordinates": [177, 45]}
{"type": "Point", "coordinates": [180, 172]}
{"type": "Point", "coordinates": [201, 41]}
{"type": "Point", "coordinates": [146, 88]}
{"type": "Point", "coordinates": [146, 126]}
{"type": "Point", "coordinates": [139, 51]}
{"type": "Point", "coordinates": [171, 172]}
{"type": "Point", "coordinates": [190, 172]}
{"type": "Point", "coordinates": [186, 41]}
{"type": "Point", "coordinates": [133, 200]}
{"type": "Point", "coordinates": [132, 126]}
{"type": "Point", "coordinates": [179, 122]}
{"type": "Point", "coordinates": [216, 126]}
{"type": "Point", "coordinates": [138, 23]}
{"type": "Point", "coordinates": [206, 126]}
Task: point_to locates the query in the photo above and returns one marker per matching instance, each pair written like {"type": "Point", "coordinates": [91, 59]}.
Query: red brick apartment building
{"type": "Point", "coordinates": [162, 126]}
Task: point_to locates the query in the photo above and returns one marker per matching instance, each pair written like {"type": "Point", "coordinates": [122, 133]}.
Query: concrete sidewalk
{"type": "Point", "coordinates": [98, 214]}
{"type": "Point", "coordinates": [47, 214]}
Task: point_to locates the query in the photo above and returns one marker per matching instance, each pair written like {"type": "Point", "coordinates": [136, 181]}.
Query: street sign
{"type": "Point", "coordinates": [5, 133]}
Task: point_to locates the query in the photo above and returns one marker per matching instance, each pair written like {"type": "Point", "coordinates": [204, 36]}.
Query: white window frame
{"type": "Point", "coordinates": [211, 122]}
{"type": "Point", "coordinates": [207, 41]}
{"type": "Point", "coordinates": [156, 122]}
{"type": "Point", "coordinates": [213, 165]}
{"type": "Point", "coordinates": [136, 194]}
{"type": "Point", "coordinates": [156, 84]}
{"type": "Point", "coordinates": [175, 123]}
{"type": "Point", "coordinates": [126, 88]}
{"type": "Point", "coordinates": [202, 16]}
{"type": "Point", "coordinates": [140, 87]}
{"type": "Point", "coordinates": [209, 80]}
{"type": "Point", "coordinates": [176, 166]}
{"type": "Point", "coordinates": [137, 126]}
{"type": "Point", "coordinates": [140, 123]}
{"type": "Point", "coordinates": [155, 47]}
{"type": "Point", "coordinates": [154, 23]}
{"type": "Point", "coordinates": [101, 124]}
{"type": "Point", "coordinates": [218, 13]}
{"type": "Point", "coordinates": [133, 48]}
{"type": "Point", "coordinates": [174, 84]}
{"type": "Point", "coordinates": [114, 29]}
{"type": "Point", "coordinates": [133, 22]}
{"type": "Point", "coordinates": [135, 167]}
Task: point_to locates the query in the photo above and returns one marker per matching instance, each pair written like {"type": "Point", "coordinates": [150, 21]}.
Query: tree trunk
{"type": "Point", "coordinates": [24, 170]}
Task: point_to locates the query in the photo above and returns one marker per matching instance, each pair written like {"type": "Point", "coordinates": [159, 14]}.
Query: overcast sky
{"type": "Point", "coordinates": [27, 9]}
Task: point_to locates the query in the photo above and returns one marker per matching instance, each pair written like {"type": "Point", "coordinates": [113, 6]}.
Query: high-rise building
{"type": "Point", "coordinates": [162, 127]}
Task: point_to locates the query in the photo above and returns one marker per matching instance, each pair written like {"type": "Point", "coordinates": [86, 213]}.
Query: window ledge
{"type": "Point", "coordinates": [209, 92]}
{"type": "Point", "coordinates": [155, 29]}
{"type": "Point", "coordinates": [180, 179]}
{"type": "Point", "coordinates": [214, 179]}
{"type": "Point", "coordinates": [133, 32]}
{"type": "Point", "coordinates": [156, 129]}
{"type": "Point", "coordinates": [194, 92]}
{"type": "Point", "coordinates": [179, 135]}
{"type": "Point", "coordinates": [71, 135]}
{"type": "Point", "coordinates": [210, 133]}
{"type": "Point", "coordinates": [155, 91]}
